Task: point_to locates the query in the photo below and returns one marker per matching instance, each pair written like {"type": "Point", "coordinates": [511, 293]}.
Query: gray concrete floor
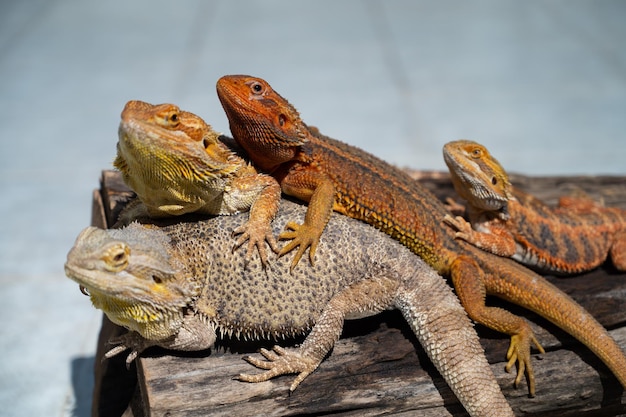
{"type": "Point", "coordinates": [543, 84]}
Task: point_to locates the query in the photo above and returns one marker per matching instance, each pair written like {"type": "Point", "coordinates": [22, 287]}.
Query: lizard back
{"type": "Point", "coordinates": [563, 240]}
{"type": "Point", "coordinates": [374, 191]}
{"type": "Point", "coordinates": [246, 300]}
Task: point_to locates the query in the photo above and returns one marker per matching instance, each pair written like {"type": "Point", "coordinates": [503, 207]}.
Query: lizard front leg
{"type": "Point", "coordinates": [497, 240]}
{"type": "Point", "coordinates": [361, 299]}
{"type": "Point", "coordinates": [468, 281]}
{"type": "Point", "coordinates": [193, 334]}
{"type": "Point", "coordinates": [131, 340]}
{"type": "Point", "coordinates": [265, 192]}
{"type": "Point", "coordinates": [319, 191]}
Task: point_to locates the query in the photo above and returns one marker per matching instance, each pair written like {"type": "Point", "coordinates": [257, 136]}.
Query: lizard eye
{"type": "Point", "coordinates": [116, 258]}
{"type": "Point", "coordinates": [476, 153]}
{"type": "Point", "coordinates": [168, 119]}
{"type": "Point", "coordinates": [173, 119]}
{"type": "Point", "coordinates": [257, 88]}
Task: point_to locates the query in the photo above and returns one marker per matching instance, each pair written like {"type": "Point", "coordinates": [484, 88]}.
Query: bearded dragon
{"type": "Point", "coordinates": [181, 286]}
{"type": "Point", "coordinates": [177, 164]}
{"type": "Point", "coordinates": [574, 237]}
{"type": "Point", "coordinates": [331, 175]}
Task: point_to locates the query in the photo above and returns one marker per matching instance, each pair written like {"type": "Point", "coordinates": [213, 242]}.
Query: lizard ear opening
{"type": "Point", "coordinates": [282, 119]}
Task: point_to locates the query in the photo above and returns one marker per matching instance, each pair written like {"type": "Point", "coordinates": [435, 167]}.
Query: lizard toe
{"type": "Point", "coordinates": [279, 361]}
{"type": "Point", "coordinates": [256, 238]}
{"type": "Point", "coordinates": [302, 237]}
{"type": "Point", "coordinates": [519, 353]}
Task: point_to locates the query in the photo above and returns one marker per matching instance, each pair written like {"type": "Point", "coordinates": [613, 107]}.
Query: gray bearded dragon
{"type": "Point", "coordinates": [180, 286]}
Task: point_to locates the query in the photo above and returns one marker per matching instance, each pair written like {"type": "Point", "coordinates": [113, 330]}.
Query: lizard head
{"type": "Point", "coordinates": [163, 146]}
{"type": "Point", "coordinates": [477, 176]}
{"type": "Point", "coordinates": [131, 279]}
{"type": "Point", "coordinates": [261, 120]}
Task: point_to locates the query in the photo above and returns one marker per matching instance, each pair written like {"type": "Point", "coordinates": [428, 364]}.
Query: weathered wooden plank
{"type": "Point", "coordinates": [98, 214]}
{"type": "Point", "coordinates": [381, 372]}
{"type": "Point", "coordinates": [116, 195]}
{"type": "Point", "coordinates": [377, 367]}
{"type": "Point", "coordinates": [114, 384]}
{"type": "Point", "coordinates": [361, 374]}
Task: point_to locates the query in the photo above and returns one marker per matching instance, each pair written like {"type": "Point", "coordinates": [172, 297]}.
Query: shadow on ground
{"type": "Point", "coordinates": [83, 384]}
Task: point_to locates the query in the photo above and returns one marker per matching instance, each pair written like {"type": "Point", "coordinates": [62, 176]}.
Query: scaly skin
{"type": "Point", "coordinates": [575, 237]}
{"type": "Point", "coordinates": [181, 285]}
{"type": "Point", "coordinates": [332, 175]}
{"type": "Point", "coordinates": [177, 164]}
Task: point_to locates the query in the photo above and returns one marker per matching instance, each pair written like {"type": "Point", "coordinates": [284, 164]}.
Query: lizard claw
{"type": "Point", "coordinates": [279, 361]}
{"type": "Point", "coordinates": [130, 340]}
{"type": "Point", "coordinates": [256, 236]}
{"type": "Point", "coordinates": [302, 237]}
{"type": "Point", "coordinates": [519, 352]}
{"type": "Point", "coordinates": [464, 229]}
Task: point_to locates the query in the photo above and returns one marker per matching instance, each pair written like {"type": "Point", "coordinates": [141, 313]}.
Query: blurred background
{"type": "Point", "coordinates": [542, 84]}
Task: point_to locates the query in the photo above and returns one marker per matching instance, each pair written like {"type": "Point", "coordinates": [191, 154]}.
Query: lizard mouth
{"type": "Point", "coordinates": [90, 280]}
{"type": "Point", "coordinates": [228, 97]}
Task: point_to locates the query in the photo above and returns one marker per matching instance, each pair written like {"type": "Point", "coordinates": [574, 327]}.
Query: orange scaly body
{"type": "Point", "coordinates": [577, 236]}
